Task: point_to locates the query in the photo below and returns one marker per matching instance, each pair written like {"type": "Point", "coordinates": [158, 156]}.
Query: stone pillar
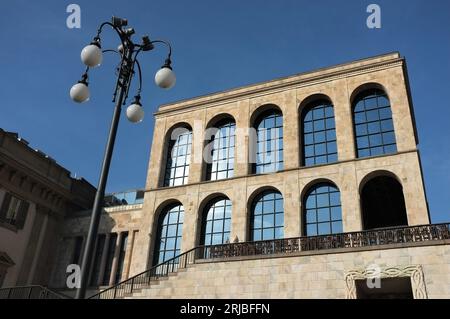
{"type": "Point", "coordinates": [103, 259]}
{"type": "Point", "coordinates": [291, 140]}
{"type": "Point", "coordinates": [198, 142]}
{"type": "Point", "coordinates": [343, 116]}
{"type": "Point", "coordinates": [414, 191]}
{"type": "Point", "coordinates": [291, 199]}
{"type": "Point", "coordinates": [241, 149]}
{"type": "Point", "coordinates": [115, 261]}
{"type": "Point", "coordinates": [157, 158]}
{"type": "Point", "coordinates": [91, 266]}
{"type": "Point", "coordinates": [129, 252]}
{"type": "Point", "coordinates": [350, 198]}
{"type": "Point", "coordinates": [401, 111]}
{"type": "Point", "coordinates": [239, 213]}
{"type": "Point", "coordinates": [191, 217]}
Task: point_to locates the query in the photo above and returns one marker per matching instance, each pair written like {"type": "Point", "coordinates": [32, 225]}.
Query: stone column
{"type": "Point", "coordinates": [343, 116]}
{"type": "Point", "coordinates": [401, 111]}
{"type": "Point", "coordinates": [241, 149]}
{"type": "Point", "coordinates": [413, 191]}
{"type": "Point", "coordinates": [350, 199]}
{"type": "Point", "coordinates": [103, 259]}
{"type": "Point", "coordinates": [290, 130]}
{"type": "Point", "coordinates": [198, 142]}
{"type": "Point", "coordinates": [157, 158]}
{"type": "Point", "coordinates": [291, 199]}
{"type": "Point", "coordinates": [115, 261]}
{"type": "Point", "coordinates": [129, 252]}
{"type": "Point", "coordinates": [191, 216]}
{"type": "Point", "coordinates": [91, 266]}
{"type": "Point", "coordinates": [239, 217]}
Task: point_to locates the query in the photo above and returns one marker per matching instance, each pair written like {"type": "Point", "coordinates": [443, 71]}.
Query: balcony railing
{"type": "Point", "coordinates": [362, 239]}
{"type": "Point", "coordinates": [370, 238]}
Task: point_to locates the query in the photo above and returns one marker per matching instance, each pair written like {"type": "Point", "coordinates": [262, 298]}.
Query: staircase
{"type": "Point", "coordinates": [152, 277]}
{"type": "Point", "coordinates": [158, 280]}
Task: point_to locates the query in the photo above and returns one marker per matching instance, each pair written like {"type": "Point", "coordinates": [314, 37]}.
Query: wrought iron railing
{"type": "Point", "coordinates": [370, 238]}
{"type": "Point", "coordinates": [30, 292]}
{"type": "Point", "coordinates": [361, 239]}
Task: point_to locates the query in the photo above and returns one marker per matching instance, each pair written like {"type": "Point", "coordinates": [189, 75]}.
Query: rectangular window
{"type": "Point", "coordinates": [76, 257]}
{"type": "Point", "coordinates": [14, 211]}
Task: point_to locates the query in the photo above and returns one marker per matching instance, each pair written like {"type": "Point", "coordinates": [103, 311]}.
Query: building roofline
{"type": "Point", "coordinates": [281, 81]}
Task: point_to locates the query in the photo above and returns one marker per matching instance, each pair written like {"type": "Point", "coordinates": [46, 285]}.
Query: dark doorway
{"type": "Point", "coordinates": [383, 203]}
{"type": "Point", "coordinates": [390, 288]}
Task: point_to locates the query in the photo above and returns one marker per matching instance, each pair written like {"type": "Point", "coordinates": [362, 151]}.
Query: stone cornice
{"type": "Point", "coordinates": [34, 177]}
{"type": "Point", "coordinates": [283, 84]}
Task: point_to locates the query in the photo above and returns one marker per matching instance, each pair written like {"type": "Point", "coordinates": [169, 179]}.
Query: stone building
{"type": "Point", "coordinates": [35, 195]}
{"type": "Point", "coordinates": [300, 187]}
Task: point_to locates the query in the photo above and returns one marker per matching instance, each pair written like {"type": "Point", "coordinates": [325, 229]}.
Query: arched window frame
{"type": "Point", "coordinates": [220, 163]}
{"type": "Point", "coordinates": [169, 227]}
{"type": "Point", "coordinates": [178, 156]}
{"type": "Point", "coordinates": [322, 210]}
{"type": "Point", "coordinates": [216, 222]}
{"type": "Point", "coordinates": [269, 142]}
{"type": "Point", "coordinates": [373, 123]}
{"type": "Point", "coordinates": [267, 207]}
{"type": "Point", "coordinates": [318, 127]}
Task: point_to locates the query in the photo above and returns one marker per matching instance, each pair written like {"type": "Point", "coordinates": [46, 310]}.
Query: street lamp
{"type": "Point", "coordinates": [92, 56]}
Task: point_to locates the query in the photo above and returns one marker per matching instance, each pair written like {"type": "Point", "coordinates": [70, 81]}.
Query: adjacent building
{"type": "Point", "coordinates": [35, 195]}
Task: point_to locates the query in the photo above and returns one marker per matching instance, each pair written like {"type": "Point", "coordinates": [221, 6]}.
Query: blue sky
{"type": "Point", "coordinates": [218, 45]}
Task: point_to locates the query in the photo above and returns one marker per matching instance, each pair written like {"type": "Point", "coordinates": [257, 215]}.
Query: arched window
{"type": "Point", "coordinates": [374, 129]}
{"type": "Point", "coordinates": [383, 203]}
{"type": "Point", "coordinates": [319, 134]}
{"type": "Point", "coordinates": [221, 163]}
{"type": "Point", "coordinates": [322, 210]}
{"type": "Point", "coordinates": [169, 234]}
{"type": "Point", "coordinates": [178, 157]}
{"type": "Point", "coordinates": [216, 222]}
{"type": "Point", "coordinates": [269, 145]}
{"type": "Point", "coordinates": [267, 216]}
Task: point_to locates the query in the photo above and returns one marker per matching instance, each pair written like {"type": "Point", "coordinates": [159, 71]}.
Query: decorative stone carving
{"type": "Point", "coordinates": [414, 272]}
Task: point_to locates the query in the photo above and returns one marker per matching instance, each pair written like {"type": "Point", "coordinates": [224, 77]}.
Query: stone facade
{"type": "Point", "coordinates": [114, 220]}
{"type": "Point", "coordinates": [316, 275]}
{"type": "Point", "coordinates": [340, 84]}
{"type": "Point", "coordinates": [325, 276]}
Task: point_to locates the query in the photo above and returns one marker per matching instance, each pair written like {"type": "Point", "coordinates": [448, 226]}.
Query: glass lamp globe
{"type": "Point", "coordinates": [79, 92]}
{"type": "Point", "coordinates": [165, 78]}
{"type": "Point", "coordinates": [91, 55]}
{"type": "Point", "coordinates": [135, 113]}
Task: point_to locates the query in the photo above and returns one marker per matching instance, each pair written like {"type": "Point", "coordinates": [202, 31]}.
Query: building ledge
{"type": "Point", "coordinates": [325, 252]}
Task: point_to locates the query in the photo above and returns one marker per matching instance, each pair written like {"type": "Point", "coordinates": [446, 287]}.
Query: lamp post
{"type": "Point", "coordinates": [91, 56]}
